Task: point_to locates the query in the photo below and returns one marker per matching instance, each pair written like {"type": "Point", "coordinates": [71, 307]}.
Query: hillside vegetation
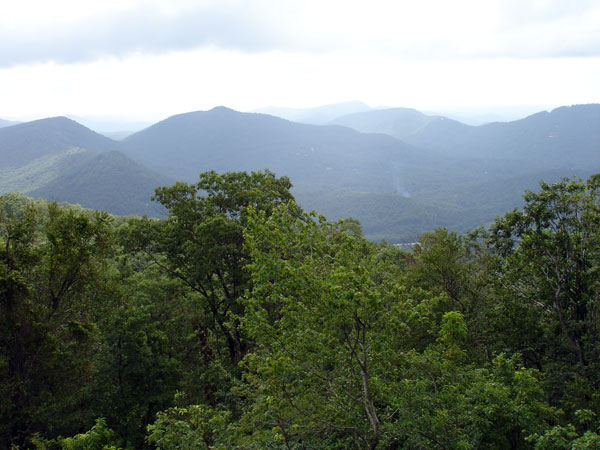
{"type": "Point", "coordinates": [59, 159]}
{"type": "Point", "coordinates": [241, 321]}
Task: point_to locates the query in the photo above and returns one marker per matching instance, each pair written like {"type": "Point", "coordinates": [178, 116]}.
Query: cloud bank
{"type": "Point", "coordinates": [67, 32]}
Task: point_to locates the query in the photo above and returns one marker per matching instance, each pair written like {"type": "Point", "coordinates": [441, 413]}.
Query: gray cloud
{"type": "Point", "coordinates": [555, 29]}
{"type": "Point", "coordinates": [142, 31]}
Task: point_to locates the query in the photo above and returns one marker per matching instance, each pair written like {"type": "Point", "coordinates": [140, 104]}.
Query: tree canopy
{"type": "Point", "coordinates": [242, 321]}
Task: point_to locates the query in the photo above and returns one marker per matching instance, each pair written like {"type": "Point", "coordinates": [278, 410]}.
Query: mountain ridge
{"type": "Point", "coordinates": [222, 139]}
{"type": "Point", "coordinates": [7, 123]}
{"type": "Point", "coordinates": [318, 115]}
{"type": "Point", "coordinates": [567, 136]}
{"type": "Point", "coordinates": [22, 143]}
{"type": "Point", "coordinates": [396, 188]}
{"type": "Point", "coordinates": [62, 160]}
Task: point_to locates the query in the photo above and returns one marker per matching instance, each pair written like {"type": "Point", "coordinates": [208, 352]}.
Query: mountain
{"type": "Point", "coordinates": [334, 169]}
{"type": "Point", "coordinates": [59, 159]}
{"type": "Point", "coordinates": [23, 143]}
{"type": "Point", "coordinates": [397, 122]}
{"type": "Point", "coordinates": [107, 181]}
{"type": "Point", "coordinates": [396, 190]}
{"type": "Point", "coordinates": [566, 137]}
{"type": "Point", "coordinates": [440, 173]}
{"type": "Point", "coordinates": [480, 116]}
{"type": "Point", "coordinates": [7, 123]}
{"type": "Point", "coordinates": [314, 157]}
{"type": "Point", "coordinates": [319, 115]}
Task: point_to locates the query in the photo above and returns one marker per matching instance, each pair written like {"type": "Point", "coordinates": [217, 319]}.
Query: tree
{"type": "Point", "coordinates": [50, 286]}
{"type": "Point", "coordinates": [551, 273]}
{"type": "Point", "coordinates": [314, 313]}
{"type": "Point", "coordinates": [461, 268]}
{"type": "Point", "coordinates": [201, 242]}
{"type": "Point", "coordinates": [190, 428]}
{"type": "Point", "coordinates": [341, 360]}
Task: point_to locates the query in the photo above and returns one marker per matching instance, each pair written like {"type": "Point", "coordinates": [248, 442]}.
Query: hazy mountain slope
{"type": "Point", "coordinates": [7, 123]}
{"type": "Point", "coordinates": [312, 156]}
{"type": "Point", "coordinates": [397, 191]}
{"type": "Point", "coordinates": [36, 173]}
{"type": "Point", "coordinates": [59, 159]}
{"type": "Point", "coordinates": [567, 137]}
{"type": "Point", "coordinates": [318, 115]}
{"type": "Point", "coordinates": [460, 207]}
{"type": "Point", "coordinates": [388, 216]}
{"type": "Point", "coordinates": [23, 143]}
{"type": "Point", "coordinates": [106, 181]}
{"type": "Point", "coordinates": [397, 122]}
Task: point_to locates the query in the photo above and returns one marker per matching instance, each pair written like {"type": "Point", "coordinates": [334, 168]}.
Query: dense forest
{"type": "Point", "coordinates": [242, 321]}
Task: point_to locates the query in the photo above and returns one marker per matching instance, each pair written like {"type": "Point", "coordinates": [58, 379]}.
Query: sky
{"type": "Point", "coordinates": [144, 60]}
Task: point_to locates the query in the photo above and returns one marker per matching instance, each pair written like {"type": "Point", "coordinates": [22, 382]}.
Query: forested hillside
{"type": "Point", "coordinates": [107, 180]}
{"type": "Point", "coordinates": [449, 178]}
{"type": "Point", "coordinates": [23, 143]}
{"type": "Point", "coordinates": [312, 156]}
{"type": "Point", "coordinates": [566, 137]}
{"type": "Point", "coordinates": [242, 321]}
{"type": "Point", "coordinates": [60, 160]}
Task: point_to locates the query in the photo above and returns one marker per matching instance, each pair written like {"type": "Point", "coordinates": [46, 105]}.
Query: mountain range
{"type": "Point", "coordinates": [399, 171]}
{"type": "Point", "coordinates": [565, 137]}
{"type": "Point", "coordinates": [319, 115]}
{"type": "Point", "coordinates": [59, 159]}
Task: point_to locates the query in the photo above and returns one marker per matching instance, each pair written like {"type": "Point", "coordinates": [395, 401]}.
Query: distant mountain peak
{"type": "Point", "coordinates": [20, 144]}
{"type": "Point", "coordinates": [222, 109]}
{"type": "Point", "coordinates": [61, 122]}
{"type": "Point", "coordinates": [319, 115]}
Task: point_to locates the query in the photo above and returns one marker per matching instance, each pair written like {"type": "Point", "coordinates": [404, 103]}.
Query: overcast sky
{"type": "Point", "coordinates": [146, 60]}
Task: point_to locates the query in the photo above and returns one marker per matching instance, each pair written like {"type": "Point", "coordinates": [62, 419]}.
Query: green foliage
{"type": "Point", "coordinates": [314, 311]}
{"type": "Point", "coordinates": [137, 374]}
{"type": "Point", "coordinates": [335, 359]}
{"type": "Point", "coordinates": [50, 284]}
{"type": "Point", "coordinates": [201, 243]}
{"type": "Point", "coordinates": [99, 437]}
{"type": "Point", "coordinates": [551, 254]}
{"type": "Point", "coordinates": [243, 322]}
{"type": "Point", "coordinates": [190, 428]}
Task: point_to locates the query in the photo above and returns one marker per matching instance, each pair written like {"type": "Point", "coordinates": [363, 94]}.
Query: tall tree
{"type": "Point", "coordinates": [51, 263]}
{"type": "Point", "coordinates": [201, 242]}
{"type": "Point", "coordinates": [551, 272]}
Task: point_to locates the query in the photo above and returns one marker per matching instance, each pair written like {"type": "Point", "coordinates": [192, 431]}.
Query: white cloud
{"type": "Point", "coordinates": [148, 59]}
{"type": "Point", "coordinates": [153, 87]}
{"type": "Point", "coordinates": [70, 31]}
